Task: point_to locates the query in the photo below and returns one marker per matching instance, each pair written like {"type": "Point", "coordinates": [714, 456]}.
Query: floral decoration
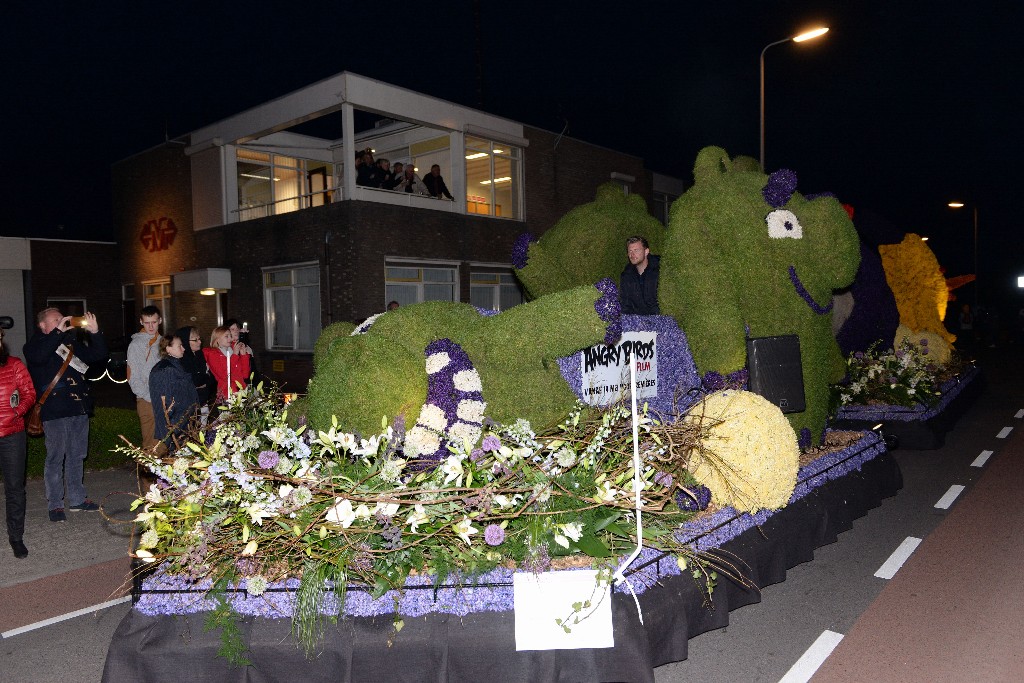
{"type": "Point", "coordinates": [520, 249]}
{"type": "Point", "coordinates": [780, 187]}
{"type": "Point", "coordinates": [905, 376]}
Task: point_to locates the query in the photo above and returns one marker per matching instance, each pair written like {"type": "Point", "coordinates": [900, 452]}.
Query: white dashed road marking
{"type": "Point", "coordinates": [899, 556]}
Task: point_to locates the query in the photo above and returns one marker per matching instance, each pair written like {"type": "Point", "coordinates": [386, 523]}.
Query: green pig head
{"type": "Point", "coordinates": [747, 255]}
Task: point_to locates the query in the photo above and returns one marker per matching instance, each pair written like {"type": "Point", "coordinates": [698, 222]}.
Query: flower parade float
{"type": "Point", "coordinates": [381, 527]}
{"type": "Point", "coordinates": [915, 388]}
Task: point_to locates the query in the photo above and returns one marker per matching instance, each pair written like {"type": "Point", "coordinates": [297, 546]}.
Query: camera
{"type": "Point", "coordinates": [78, 321]}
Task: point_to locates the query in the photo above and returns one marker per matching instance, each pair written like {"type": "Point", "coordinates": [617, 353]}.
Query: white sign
{"type": "Point", "coordinates": [544, 600]}
{"type": "Point", "coordinates": [606, 370]}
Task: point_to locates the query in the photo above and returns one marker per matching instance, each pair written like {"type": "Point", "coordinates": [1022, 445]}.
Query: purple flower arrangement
{"type": "Point", "coordinates": [520, 250]}
{"type": "Point", "coordinates": [608, 309]}
{"type": "Point", "coordinates": [694, 499]}
{"type": "Point", "coordinates": [780, 188]}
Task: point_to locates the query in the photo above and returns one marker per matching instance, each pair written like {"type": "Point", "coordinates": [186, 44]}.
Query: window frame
{"type": "Point", "coordinates": [270, 313]}
{"type": "Point", "coordinates": [420, 282]}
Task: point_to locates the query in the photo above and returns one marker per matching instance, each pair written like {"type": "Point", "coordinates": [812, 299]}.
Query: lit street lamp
{"type": "Point", "coordinates": [974, 207]}
{"type": "Point", "coordinates": [807, 35]}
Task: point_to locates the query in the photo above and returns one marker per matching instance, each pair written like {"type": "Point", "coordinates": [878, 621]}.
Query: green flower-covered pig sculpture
{"type": "Point", "coordinates": [442, 366]}
{"type": "Point", "coordinates": [748, 256]}
{"type": "Point", "coordinates": [586, 244]}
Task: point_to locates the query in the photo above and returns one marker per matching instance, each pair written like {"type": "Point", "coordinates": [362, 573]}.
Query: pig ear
{"type": "Point", "coordinates": [712, 163]}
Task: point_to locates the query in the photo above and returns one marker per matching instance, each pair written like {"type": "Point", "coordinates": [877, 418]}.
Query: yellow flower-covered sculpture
{"type": "Point", "coordinates": [918, 284]}
{"type": "Point", "coordinates": [750, 456]}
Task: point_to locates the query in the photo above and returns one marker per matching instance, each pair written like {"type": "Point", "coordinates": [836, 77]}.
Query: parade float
{"type": "Point", "coordinates": [561, 487]}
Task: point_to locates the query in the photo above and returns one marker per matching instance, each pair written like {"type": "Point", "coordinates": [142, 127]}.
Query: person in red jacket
{"type": "Point", "coordinates": [229, 364]}
{"type": "Point", "coordinates": [17, 394]}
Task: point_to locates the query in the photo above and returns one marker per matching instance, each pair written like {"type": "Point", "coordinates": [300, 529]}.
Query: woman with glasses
{"type": "Point", "coordinates": [194, 362]}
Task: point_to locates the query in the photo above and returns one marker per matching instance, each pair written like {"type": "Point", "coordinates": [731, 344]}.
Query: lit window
{"type": "Point", "coordinates": [158, 293]}
{"type": "Point", "coordinates": [269, 184]}
{"type": "Point", "coordinates": [493, 178]}
{"type": "Point", "coordinates": [292, 306]}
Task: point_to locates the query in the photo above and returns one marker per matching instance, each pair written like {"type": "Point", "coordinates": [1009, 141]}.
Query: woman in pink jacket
{"type": "Point", "coordinates": [229, 364]}
{"type": "Point", "coordinates": [17, 394]}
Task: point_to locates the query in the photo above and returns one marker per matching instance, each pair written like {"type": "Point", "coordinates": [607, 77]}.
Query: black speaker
{"type": "Point", "coordinates": [776, 372]}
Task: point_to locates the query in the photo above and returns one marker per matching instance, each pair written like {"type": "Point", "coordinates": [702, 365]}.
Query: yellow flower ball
{"type": "Point", "coordinates": [750, 454]}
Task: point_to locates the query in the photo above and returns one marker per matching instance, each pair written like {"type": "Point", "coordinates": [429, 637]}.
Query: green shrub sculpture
{"type": "Point", "coordinates": [587, 244]}
{"type": "Point", "coordinates": [748, 256]}
{"type": "Point", "coordinates": [363, 377]}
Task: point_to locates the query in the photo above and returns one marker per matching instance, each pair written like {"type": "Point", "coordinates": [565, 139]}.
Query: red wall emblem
{"type": "Point", "coordinates": [158, 235]}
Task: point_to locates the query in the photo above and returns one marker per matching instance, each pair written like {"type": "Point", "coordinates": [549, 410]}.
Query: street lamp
{"type": "Point", "coordinates": [974, 207]}
{"type": "Point", "coordinates": [807, 35]}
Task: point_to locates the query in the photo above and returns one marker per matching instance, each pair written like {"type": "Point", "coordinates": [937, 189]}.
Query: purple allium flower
{"type": "Point", "coordinates": [859, 355]}
{"type": "Point", "coordinates": [663, 479]}
{"type": "Point", "coordinates": [924, 341]}
{"type": "Point", "coordinates": [494, 534]}
{"type": "Point", "coordinates": [520, 250]}
{"type": "Point", "coordinates": [700, 499]}
{"type": "Point", "coordinates": [476, 455]}
{"type": "Point", "coordinates": [924, 351]}
{"type": "Point", "coordinates": [779, 188]}
{"type": "Point", "coordinates": [268, 459]}
{"type": "Point", "coordinates": [491, 443]}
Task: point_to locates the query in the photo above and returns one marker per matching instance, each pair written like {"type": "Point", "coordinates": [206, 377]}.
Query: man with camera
{"type": "Point", "coordinates": [59, 354]}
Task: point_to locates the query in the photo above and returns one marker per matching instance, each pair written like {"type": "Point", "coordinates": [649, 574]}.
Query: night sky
{"type": "Point", "coordinates": [900, 108]}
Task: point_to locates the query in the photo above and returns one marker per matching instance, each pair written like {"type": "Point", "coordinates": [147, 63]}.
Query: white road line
{"type": "Point", "coordinates": [899, 556]}
{"type": "Point", "coordinates": [982, 459]}
{"type": "Point", "coordinates": [810, 660]}
{"type": "Point", "coordinates": [950, 495]}
{"type": "Point", "coordinates": [64, 617]}
{"type": "Point", "coordinates": [1004, 432]}
{"type": "Point", "coordinates": [1019, 414]}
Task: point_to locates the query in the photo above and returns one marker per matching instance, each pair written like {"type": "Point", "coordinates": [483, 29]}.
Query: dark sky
{"type": "Point", "coordinates": [902, 107]}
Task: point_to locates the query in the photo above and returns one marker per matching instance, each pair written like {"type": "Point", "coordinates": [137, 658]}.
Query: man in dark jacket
{"type": "Point", "coordinates": [638, 288]}
{"type": "Point", "coordinates": [66, 411]}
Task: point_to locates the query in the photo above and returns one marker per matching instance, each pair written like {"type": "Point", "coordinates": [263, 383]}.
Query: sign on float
{"type": "Point", "coordinates": [606, 368]}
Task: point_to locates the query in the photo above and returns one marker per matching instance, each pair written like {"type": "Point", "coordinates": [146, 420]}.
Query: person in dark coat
{"type": "Point", "coordinates": [67, 409]}
{"type": "Point", "coordinates": [173, 393]}
{"type": "Point", "coordinates": [194, 362]}
{"type": "Point", "coordinates": [435, 184]}
{"type": "Point", "coordinates": [638, 284]}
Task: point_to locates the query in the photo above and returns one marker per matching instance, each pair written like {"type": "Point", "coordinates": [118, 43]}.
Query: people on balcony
{"type": "Point", "coordinates": [435, 184]}
{"type": "Point", "coordinates": [411, 182]}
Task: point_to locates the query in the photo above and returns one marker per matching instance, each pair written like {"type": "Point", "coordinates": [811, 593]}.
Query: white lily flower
{"type": "Point", "coordinates": [452, 469]}
{"type": "Point", "coordinates": [363, 512]}
{"type": "Point", "coordinates": [342, 513]}
{"type": "Point", "coordinates": [386, 509]}
{"type": "Point", "coordinates": [153, 495]}
{"type": "Point", "coordinates": [573, 530]}
{"type": "Point", "coordinates": [417, 517]}
{"type": "Point", "coordinates": [465, 529]}
{"type": "Point", "coordinates": [606, 492]}
{"type": "Point", "coordinates": [284, 491]}
{"type": "Point", "coordinates": [258, 513]}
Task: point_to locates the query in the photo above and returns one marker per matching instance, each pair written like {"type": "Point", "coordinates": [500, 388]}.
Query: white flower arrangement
{"type": "Point", "coordinates": [437, 362]}
{"type": "Point", "coordinates": [467, 380]}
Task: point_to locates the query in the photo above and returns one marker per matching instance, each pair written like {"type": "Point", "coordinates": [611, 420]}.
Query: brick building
{"type": "Point", "coordinates": [261, 216]}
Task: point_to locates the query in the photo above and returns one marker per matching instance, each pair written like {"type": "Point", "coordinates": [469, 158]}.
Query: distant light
{"type": "Point", "coordinates": [810, 35]}
{"type": "Point", "coordinates": [924, 239]}
{"type": "Point", "coordinates": [209, 291]}
{"type": "Point", "coordinates": [478, 155]}
{"type": "Point", "coordinates": [504, 179]}
{"type": "Point", "coordinates": [956, 205]}
{"type": "Point", "coordinates": [1020, 281]}
{"type": "Point", "coordinates": [876, 427]}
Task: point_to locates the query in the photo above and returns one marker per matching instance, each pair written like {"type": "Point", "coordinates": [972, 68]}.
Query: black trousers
{"type": "Point", "coordinates": [13, 456]}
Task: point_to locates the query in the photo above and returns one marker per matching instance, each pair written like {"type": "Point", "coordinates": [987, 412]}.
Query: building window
{"type": "Point", "coordinates": [292, 306]}
{"type": "Point", "coordinates": [662, 206]}
{"type": "Point", "coordinates": [493, 178]}
{"type": "Point", "coordinates": [269, 184]}
{"type": "Point", "coordinates": [158, 293]}
{"type": "Point", "coordinates": [497, 291]}
{"type": "Point", "coordinates": [74, 307]}
{"type": "Point", "coordinates": [413, 284]}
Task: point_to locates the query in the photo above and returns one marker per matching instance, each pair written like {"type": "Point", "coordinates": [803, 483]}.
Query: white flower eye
{"type": "Point", "coordinates": [782, 223]}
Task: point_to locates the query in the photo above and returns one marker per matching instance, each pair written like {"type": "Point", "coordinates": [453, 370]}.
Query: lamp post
{"type": "Point", "coordinates": [799, 38]}
{"type": "Point", "coordinates": [974, 207]}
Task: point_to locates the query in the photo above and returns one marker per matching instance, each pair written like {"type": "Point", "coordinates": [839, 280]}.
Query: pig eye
{"type": "Point", "coordinates": [782, 223]}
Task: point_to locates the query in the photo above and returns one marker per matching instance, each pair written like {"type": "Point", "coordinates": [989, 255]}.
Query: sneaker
{"type": "Point", "coordinates": [20, 551]}
{"type": "Point", "coordinates": [85, 506]}
{"type": "Point", "coordinates": [58, 515]}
